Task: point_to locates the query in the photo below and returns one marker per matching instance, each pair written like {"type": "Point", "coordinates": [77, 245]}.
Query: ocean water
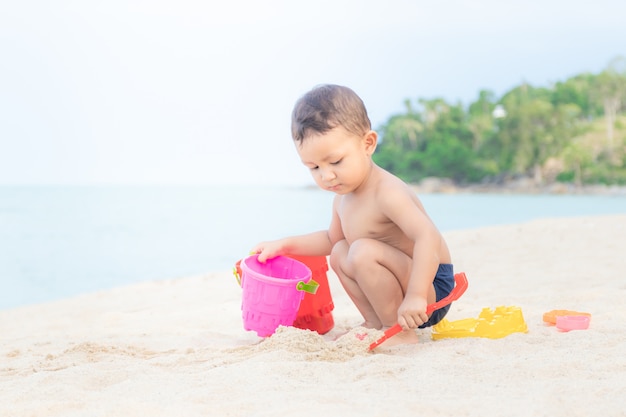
{"type": "Point", "coordinates": [57, 242]}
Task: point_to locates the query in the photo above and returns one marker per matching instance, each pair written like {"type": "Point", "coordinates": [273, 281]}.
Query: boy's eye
{"type": "Point", "coordinates": [336, 162]}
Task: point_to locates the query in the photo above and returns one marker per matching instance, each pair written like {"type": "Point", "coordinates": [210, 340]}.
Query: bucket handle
{"type": "Point", "coordinates": [310, 287]}
{"type": "Point", "coordinates": [236, 274]}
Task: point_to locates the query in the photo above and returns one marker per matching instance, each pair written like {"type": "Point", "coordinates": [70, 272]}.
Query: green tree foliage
{"type": "Point", "coordinates": [609, 89]}
{"type": "Point", "coordinates": [572, 131]}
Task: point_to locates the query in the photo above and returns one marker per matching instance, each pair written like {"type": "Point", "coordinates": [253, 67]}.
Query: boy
{"type": "Point", "coordinates": [390, 258]}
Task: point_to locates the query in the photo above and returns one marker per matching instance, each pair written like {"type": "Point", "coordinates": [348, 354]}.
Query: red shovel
{"type": "Point", "coordinates": [460, 286]}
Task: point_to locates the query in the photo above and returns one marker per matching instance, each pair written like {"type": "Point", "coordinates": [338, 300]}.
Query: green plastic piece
{"type": "Point", "coordinates": [310, 287]}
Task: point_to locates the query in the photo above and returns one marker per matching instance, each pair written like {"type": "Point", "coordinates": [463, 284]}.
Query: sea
{"type": "Point", "coordinates": [61, 241]}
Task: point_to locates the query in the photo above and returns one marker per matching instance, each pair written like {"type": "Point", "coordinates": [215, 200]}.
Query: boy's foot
{"type": "Point", "coordinates": [364, 325]}
{"type": "Point", "coordinates": [405, 337]}
{"type": "Point", "coordinates": [367, 325]}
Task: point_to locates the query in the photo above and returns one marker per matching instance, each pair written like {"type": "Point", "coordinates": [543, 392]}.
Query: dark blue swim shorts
{"type": "Point", "coordinates": [444, 283]}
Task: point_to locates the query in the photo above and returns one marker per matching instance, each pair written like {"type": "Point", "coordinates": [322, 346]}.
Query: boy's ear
{"type": "Point", "coordinates": [371, 141]}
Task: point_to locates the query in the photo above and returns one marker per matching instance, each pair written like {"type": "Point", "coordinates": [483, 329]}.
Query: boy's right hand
{"type": "Point", "coordinates": [268, 250]}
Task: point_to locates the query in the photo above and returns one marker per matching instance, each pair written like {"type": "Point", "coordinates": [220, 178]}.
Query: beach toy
{"type": "Point", "coordinates": [272, 292]}
{"type": "Point", "coordinates": [460, 286]}
{"type": "Point", "coordinates": [492, 324]}
{"type": "Point", "coordinates": [550, 317]}
{"type": "Point", "coordinates": [315, 311]}
{"type": "Point", "coordinates": [567, 323]}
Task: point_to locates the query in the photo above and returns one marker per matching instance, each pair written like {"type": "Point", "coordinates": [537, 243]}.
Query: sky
{"type": "Point", "coordinates": [201, 92]}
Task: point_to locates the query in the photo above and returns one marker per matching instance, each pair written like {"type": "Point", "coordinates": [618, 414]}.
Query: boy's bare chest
{"type": "Point", "coordinates": [362, 218]}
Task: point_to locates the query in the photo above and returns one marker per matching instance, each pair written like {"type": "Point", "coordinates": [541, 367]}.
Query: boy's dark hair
{"type": "Point", "coordinates": [326, 107]}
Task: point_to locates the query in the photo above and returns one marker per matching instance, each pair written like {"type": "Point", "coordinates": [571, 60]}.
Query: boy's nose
{"type": "Point", "coordinates": [328, 174]}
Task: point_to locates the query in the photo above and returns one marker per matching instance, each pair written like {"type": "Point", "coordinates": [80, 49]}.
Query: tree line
{"type": "Point", "coordinates": [572, 131]}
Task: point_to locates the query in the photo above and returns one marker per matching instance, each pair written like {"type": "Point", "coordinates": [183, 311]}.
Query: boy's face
{"type": "Point", "coordinates": [338, 160]}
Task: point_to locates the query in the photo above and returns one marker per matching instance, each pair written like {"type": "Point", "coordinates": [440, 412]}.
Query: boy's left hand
{"type": "Point", "coordinates": [412, 312]}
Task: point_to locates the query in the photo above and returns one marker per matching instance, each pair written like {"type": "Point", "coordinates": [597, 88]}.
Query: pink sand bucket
{"type": "Point", "coordinates": [272, 292]}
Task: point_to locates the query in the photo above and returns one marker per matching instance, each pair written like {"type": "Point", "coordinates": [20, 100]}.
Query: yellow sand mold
{"type": "Point", "coordinates": [493, 324]}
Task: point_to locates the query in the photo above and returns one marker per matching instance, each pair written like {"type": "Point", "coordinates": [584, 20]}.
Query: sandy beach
{"type": "Point", "coordinates": [178, 347]}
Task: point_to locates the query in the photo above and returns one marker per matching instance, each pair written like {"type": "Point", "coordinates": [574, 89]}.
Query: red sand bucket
{"type": "Point", "coordinates": [316, 310]}
{"type": "Point", "coordinates": [272, 292]}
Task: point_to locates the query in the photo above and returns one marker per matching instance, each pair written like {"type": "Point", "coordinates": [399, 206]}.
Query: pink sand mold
{"type": "Point", "coordinates": [567, 323]}
{"type": "Point", "coordinates": [550, 317]}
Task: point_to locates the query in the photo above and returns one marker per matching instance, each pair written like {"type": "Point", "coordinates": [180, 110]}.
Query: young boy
{"type": "Point", "coordinates": [388, 254]}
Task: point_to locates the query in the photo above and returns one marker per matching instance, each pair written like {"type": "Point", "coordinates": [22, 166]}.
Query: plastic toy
{"type": "Point", "coordinates": [315, 311]}
{"type": "Point", "coordinates": [567, 323]}
{"type": "Point", "coordinates": [460, 286]}
{"type": "Point", "coordinates": [551, 316]}
{"type": "Point", "coordinates": [272, 292]}
{"type": "Point", "coordinates": [492, 324]}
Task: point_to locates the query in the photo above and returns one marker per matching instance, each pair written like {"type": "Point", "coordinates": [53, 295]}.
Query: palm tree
{"type": "Point", "coordinates": [610, 90]}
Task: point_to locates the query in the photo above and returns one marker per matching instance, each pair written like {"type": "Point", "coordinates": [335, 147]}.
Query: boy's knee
{"type": "Point", "coordinates": [338, 253]}
{"type": "Point", "coordinates": [355, 257]}
{"type": "Point", "coordinates": [363, 252]}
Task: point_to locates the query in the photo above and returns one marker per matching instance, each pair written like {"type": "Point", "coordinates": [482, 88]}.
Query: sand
{"type": "Point", "coordinates": [178, 348]}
